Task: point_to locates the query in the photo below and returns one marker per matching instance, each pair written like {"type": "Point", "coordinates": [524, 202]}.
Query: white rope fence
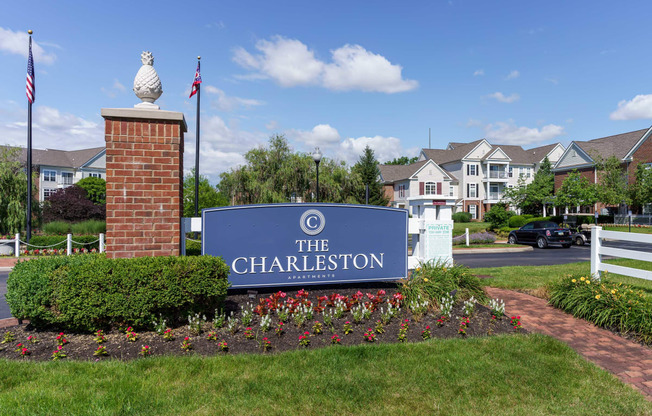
{"type": "Point", "coordinates": [69, 242]}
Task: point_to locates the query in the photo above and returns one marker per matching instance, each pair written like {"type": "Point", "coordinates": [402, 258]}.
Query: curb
{"type": "Point", "coordinates": [8, 322]}
{"type": "Point", "coordinates": [6, 269]}
{"type": "Point", "coordinates": [492, 250]}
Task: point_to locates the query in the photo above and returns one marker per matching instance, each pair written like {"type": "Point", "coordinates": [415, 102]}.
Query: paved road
{"type": "Point", "coordinates": [4, 308]}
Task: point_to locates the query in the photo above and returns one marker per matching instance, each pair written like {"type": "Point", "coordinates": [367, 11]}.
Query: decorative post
{"type": "Point", "coordinates": [144, 173]}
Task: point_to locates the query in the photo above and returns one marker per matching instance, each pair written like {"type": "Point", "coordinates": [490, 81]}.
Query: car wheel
{"type": "Point", "coordinates": [511, 239]}
{"type": "Point", "coordinates": [542, 242]}
{"type": "Point", "coordinates": [566, 245]}
{"type": "Point", "coordinates": [579, 241]}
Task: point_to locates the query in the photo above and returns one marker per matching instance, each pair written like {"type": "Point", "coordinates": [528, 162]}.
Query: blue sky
{"type": "Point", "coordinates": [339, 75]}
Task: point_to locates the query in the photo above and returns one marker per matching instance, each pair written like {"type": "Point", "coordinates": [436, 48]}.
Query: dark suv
{"type": "Point", "coordinates": [541, 233]}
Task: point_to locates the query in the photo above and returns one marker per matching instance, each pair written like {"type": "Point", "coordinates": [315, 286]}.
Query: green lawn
{"type": "Point", "coordinates": [625, 228]}
{"type": "Point", "coordinates": [474, 227]}
{"type": "Point", "coordinates": [506, 375]}
{"type": "Point", "coordinates": [533, 277]}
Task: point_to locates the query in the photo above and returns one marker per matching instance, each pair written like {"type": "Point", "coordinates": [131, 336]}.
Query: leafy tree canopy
{"type": "Point", "coordinates": [209, 197]}
{"type": "Point", "coordinates": [95, 189]}
{"type": "Point", "coordinates": [641, 191]}
{"type": "Point", "coordinates": [575, 191]}
{"type": "Point", "coordinates": [13, 191]}
{"type": "Point", "coordinates": [529, 198]}
{"type": "Point", "coordinates": [612, 188]}
{"type": "Point", "coordinates": [403, 160]}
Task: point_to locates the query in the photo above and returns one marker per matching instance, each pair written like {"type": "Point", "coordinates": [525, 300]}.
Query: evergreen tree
{"type": "Point", "coordinates": [367, 168]}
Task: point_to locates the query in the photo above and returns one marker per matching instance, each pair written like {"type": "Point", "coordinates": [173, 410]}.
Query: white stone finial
{"type": "Point", "coordinates": [147, 85]}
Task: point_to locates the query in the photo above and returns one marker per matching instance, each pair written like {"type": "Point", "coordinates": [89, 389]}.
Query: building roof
{"type": "Point", "coordinates": [393, 173]}
{"type": "Point", "coordinates": [441, 156]}
{"type": "Point", "coordinates": [538, 153]}
{"type": "Point", "coordinates": [63, 158]}
{"type": "Point", "coordinates": [618, 145]}
{"type": "Point", "coordinates": [456, 151]}
{"type": "Point", "coordinates": [516, 153]}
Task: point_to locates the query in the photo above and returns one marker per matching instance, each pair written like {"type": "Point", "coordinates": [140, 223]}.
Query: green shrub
{"type": "Point", "coordinates": [462, 217]}
{"type": "Point", "coordinates": [59, 241]}
{"type": "Point", "coordinates": [91, 292]}
{"type": "Point", "coordinates": [517, 221]}
{"type": "Point", "coordinates": [606, 303]}
{"type": "Point", "coordinates": [498, 216]}
{"type": "Point", "coordinates": [434, 280]}
{"type": "Point", "coordinates": [89, 227]}
{"type": "Point", "coordinates": [193, 248]}
{"type": "Point", "coordinates": [56, 228]}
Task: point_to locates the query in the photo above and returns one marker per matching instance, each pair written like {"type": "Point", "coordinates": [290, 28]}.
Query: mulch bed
{"type": "Point", "coordinates": [82, 346]}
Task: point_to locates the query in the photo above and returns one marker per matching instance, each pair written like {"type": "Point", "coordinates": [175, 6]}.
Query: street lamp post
{"type": "Point", "coordinates": [316, 156]}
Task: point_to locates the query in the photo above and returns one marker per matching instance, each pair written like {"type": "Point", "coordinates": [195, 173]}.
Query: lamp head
{"type": "Point", "coordinates": [316, 155]}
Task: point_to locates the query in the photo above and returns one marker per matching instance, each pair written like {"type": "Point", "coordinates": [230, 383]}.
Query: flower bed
{"type": "Point", "coordinates": [273, 322]}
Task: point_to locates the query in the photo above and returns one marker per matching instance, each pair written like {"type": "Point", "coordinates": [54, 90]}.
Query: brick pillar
{"type": "Point", "coordinates": [144, 182]}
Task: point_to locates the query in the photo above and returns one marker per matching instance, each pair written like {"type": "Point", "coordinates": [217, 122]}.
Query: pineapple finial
{"type": "Point", "coordinates": [147, 84]}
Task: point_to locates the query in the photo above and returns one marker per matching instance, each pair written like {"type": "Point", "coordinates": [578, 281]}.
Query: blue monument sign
{"type": "Point", "coordinates": [302, 244]}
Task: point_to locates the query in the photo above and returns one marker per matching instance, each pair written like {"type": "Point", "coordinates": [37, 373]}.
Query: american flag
{"type": "Point", "coordinates": [31, 87]}
{"type": "Point", "coordinates": [195, 82]}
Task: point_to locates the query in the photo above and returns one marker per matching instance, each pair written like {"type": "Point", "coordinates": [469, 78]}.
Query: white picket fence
{"type": "Point", "coordinates": [598, 250]}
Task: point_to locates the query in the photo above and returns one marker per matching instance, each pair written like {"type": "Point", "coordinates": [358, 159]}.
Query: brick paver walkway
{"type": "Point", "coordinates": [629, 361]}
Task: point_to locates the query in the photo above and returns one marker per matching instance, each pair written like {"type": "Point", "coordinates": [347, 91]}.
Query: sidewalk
{"type": "Point", "coordinates": [627, 360]}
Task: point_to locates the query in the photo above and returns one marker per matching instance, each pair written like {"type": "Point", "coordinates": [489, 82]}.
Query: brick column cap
{"type": "Point", "coordinates": [135, 113]}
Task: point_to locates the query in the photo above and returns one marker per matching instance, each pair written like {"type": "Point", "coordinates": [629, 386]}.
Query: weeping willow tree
{"type": "Point", "coordinates": [13, 191]}
{"type": "Point", "coordinates": [275, 174]}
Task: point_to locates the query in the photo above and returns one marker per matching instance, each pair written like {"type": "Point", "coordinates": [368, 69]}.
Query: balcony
{"type": "Point", "coordinates": [497, 174]}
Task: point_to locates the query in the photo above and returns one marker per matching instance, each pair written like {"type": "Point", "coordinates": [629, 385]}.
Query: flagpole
{"type": "Point", "coordinates": [197, 148]}
{"type": "Point", "coordinates": [29, 155]}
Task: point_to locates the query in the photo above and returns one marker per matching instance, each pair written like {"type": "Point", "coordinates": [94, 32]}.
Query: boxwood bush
{"type": "Point", "coordinates": [517, 221]}
{"type": "Point", "coordinates": [90, 292]}
{"type": "Point", "coordinates": [461, 217]}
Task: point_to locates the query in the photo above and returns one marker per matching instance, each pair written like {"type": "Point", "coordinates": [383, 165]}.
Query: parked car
{"type": "Point", "coordinates": [541, 233]}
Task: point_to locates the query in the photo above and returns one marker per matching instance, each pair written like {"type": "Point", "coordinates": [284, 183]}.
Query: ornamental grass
{"type": "Point", "coordinates": [606, 303]}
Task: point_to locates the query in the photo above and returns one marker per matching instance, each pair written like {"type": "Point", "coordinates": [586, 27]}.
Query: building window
{"type": "Point", "coordinates": [49, 176]}
{"type": "Point", "coordinates": [528, 172]}
{"type": "Point", "coordinates": [47, 192]}
{"type": "Point", "coordinates": [95, 175]}
{"type": "Point", "coordinates": [473, 211]}
{"type": "Point", "coordinates": [451, 190]}
{"type": "Point", "coordinates": [401, 191]}
{"type": "Point", "coordinates": [511, 172]}
{"type": "Point", "coordinates": [66, 178]}
{"type": "Point", "coordinates": [472, 170]}
{"type": "Point", "coordinates": [431, 188]}
{"type": "Point", "coordinates": [472, 190]}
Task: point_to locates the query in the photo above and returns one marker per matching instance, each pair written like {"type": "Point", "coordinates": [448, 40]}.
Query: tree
{"type": "Point", "coordinates": [403, 160]}
{"type": "Point", "coordinates": [641, 190]}
{"type": "Point", "coordinates": [71, 204]}
{"type": "Point", "coordinates": [575, 191]}
{"type": "Point", "coordinates": [367, 168]}
{"type": "Point", "coordinates": [276, 174]}
{"type": "Point", "coordinates": [95, 189]}
{"type": "Point", "coordinates": [13, 191]}
{"type": "Point", "coordinates": [208, 196]}
{"type": "Point", "coordinates": [613, 187]}
{"type": "Point", "coordinates": [530, 198]}
{"type": "Point", "coordinates": [498, 216]}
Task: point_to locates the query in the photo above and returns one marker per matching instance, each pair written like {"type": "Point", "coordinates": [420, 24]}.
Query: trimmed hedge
{"type": "Point", "coordinates": [461, 217]}
{"type": "Point", "coordinates": [60, 241]}
{"type": "Point", "coordinates": [517, 221]}
{"type": "Point", "coordinates": [90, 292]}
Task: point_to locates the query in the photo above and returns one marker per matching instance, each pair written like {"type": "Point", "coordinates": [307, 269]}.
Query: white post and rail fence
{"type": "Point", "coordinates": [598, 250]}
{"type": "Point", "coordinates": [16, 243]}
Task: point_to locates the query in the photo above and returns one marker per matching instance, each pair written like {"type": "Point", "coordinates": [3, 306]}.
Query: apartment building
{"type": "Point", "coordinates": [479, 173]}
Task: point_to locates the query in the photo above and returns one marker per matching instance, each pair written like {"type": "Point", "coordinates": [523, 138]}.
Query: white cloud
{"type": "Point", "coordinates": [272, 125]}
{"type": "Point", "coordinates": [512, 75]}
{"type": "Point", "coordinates": [289, 62]}
{"type": "Point", "coordinates": [51, 129]}
{"type": "Point", "coordinates": [322, 135]}
{"type": "Point", "coordinates": [473, 123]}
{"type": "Point", "coordinates": [554, 81]}
{"type": "Point", "coordinates": [499, 96]}
{"type": "Point", "coordinates": [509, 133]}
{"type": "Point", "coordinates": [18, 43]}
{"type": "Point", "coordinates": [478, 72]}
{"type": "Point", "coordinates": [229, 103]}
{"type": "Point", "coordinates": [385, 148]}
{"type": "Point", "coordinates": [637, 108]}
{"type": "Point", "coordinates": [114, 90]}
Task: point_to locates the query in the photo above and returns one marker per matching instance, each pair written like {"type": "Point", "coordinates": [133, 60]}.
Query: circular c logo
{"type": "Point", "coordinates": [312, 222]}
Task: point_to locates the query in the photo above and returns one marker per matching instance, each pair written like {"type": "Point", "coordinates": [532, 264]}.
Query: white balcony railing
{"type": "Point", "coordinates": [497, 174]}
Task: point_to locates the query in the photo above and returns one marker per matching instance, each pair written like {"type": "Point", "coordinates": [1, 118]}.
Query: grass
{"type": "Point", "coordinates": [507, 375]}
{"type": "Point", "coordinates": [625, 228]}
{"type": "Point", "coordinates": [459, 228]}
{"type": "Point", "coordinates": [534, 277]}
